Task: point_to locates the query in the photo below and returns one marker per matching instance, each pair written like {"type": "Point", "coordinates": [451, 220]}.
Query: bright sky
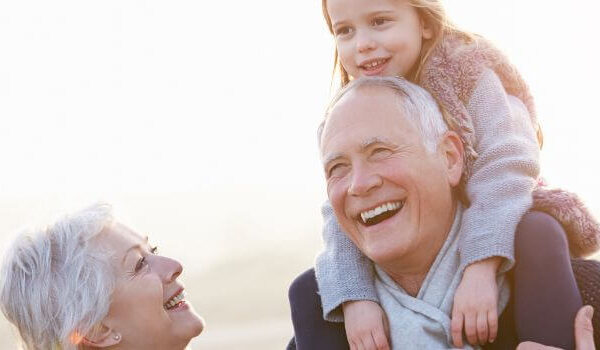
{"type": "Point", "coordinates": [118, 96]}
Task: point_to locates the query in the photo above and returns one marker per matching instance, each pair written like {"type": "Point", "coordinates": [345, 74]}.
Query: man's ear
{"type": "Point", "coordinates": [101, 337]}
{"type": "Point", "coordinates": [451, 148]}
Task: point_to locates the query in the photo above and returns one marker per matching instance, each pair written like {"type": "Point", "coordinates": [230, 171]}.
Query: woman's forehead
{"type": "Point", "coordinates": [122, 236]}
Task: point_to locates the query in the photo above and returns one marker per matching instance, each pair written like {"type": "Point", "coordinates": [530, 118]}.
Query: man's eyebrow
{"type": "Point", "coordinates": [376, 140]}
{"type": "Point", "coordinates": [133, 247]}
{"type": "Point", "coordinates": [331, 158]}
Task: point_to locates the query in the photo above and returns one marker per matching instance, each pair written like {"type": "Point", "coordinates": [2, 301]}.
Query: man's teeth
{"type": "Point", "coordinates": [369, 214]}
{"type": "Point", "coordinates": [373, 63]}
{"type": "Point", "coordinates": [174, 300]}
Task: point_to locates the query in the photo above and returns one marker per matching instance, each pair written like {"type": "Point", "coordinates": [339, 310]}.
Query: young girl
{"type": "Point", "coordinates": [469, 78]}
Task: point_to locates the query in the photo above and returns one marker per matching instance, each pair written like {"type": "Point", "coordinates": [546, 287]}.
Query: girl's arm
{"type": "Point", "coordinates": [503, 177]}
{"type": "Point", "coordinates": [343, 272]}
{"type": "Point", "coordinates": [346, 285]}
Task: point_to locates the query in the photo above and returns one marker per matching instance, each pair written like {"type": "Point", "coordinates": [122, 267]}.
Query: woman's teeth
{"type": "Point", "coordinates": [174, 301]}
{"type": "Point", "coordinates": [368, 216]}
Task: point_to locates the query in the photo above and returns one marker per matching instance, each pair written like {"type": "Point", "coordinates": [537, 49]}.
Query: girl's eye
{"type": "Point", "coordinates": [379, 21]}
{"type": "Point", "coordinates": [343, 31]}
{"type": "Point", "coordinates": [154, 250]}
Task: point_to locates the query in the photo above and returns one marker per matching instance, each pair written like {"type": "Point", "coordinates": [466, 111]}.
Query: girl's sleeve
{"type": "Point", "coordinates": [343, 272]}
{"type": "Point", "coordinates": [503, 175]}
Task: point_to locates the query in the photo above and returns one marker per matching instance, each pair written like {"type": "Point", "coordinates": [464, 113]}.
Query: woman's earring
{"type": "Point", "coordinates": [117, 337]}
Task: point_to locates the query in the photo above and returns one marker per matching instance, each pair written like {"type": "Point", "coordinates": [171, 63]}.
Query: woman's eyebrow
{"type": "Point", "coordinates": [133, 247]}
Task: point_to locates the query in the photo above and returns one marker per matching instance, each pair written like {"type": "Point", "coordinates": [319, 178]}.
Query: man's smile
{"type": "Point", "coordinates": [380, 213]}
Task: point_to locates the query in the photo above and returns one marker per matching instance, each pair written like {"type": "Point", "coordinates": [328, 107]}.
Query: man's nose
{"type": "Point", "coordinates": [363, 181]}
{"type": "Point", "coordinates": [364, 41]}
{"type": "Point", "coordinates": [168, 269]}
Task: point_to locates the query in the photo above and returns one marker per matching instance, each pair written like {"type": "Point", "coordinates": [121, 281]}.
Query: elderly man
{"type": "Point", "coordinates": [393, 170]}
{"type": "Point", "coordinates": [390, 181]}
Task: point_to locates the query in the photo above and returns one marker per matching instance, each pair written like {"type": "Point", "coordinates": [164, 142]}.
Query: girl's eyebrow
{"type": "Point", "coordinates": [368, 15]}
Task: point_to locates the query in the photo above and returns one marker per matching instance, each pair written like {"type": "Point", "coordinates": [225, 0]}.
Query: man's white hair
{"type": "Point", "coordinates": [414, 103]}
{"type": "Point", "coordinates": [55, 283]}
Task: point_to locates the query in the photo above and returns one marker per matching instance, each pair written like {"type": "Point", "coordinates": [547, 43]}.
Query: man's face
{"type": "Point", "coordinates": [390, 195]}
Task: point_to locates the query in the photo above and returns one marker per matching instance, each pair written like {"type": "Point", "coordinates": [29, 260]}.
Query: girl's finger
{"type": "Point", "coordinates": [471, 328]}
{"type": "Point", "coordinates": [361, 346]}
{"type": "Point", "coordinates": [380, 340]}
{"type": "Point", "coordinates": [482, 328]}
{"type": "Point", "coordinates": [457, 327]}
{"type": "Point", "coordinates": [492, 316]}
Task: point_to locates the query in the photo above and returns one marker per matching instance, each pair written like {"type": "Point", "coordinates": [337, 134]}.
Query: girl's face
{"type": "Point", "coordinates": [377, 37]}
{"type": "Point", "coordinates": [148, 309]}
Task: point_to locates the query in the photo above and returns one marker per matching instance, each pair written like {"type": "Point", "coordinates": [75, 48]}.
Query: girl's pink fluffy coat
{"type": "Point", "coordinates": [450, 74]}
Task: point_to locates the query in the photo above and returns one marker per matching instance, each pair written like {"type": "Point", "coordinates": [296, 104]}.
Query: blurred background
{"type": "Point", "coordinates": [197, 121]}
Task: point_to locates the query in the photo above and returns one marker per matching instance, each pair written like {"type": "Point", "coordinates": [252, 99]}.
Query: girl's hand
{"type": "Point", "coordinates": [366, 325]}
{"type": "Point", "coordinates": [475, 304]}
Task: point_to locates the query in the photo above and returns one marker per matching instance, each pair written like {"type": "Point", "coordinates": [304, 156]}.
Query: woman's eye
{"type": "Point", "coordinates": [140, 264]}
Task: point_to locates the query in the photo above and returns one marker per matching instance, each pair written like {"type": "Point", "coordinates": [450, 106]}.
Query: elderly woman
{"type": "Point", "coordinates": [91, 282]}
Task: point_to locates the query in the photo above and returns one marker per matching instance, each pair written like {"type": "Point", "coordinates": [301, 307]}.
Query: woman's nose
{"type": "Point", "coordinates": [168, 269]}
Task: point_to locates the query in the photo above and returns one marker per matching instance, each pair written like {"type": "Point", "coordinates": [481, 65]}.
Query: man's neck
{"type": "Point", "coordinates": [410, 283]}
{"type": "Point", "coordinates": [410, 274]}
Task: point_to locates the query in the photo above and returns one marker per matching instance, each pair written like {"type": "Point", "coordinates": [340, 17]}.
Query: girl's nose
{"type": "Point", "coordinates": [364, 42]}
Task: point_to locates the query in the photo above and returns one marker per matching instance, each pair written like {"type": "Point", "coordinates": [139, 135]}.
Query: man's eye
{"type": "Point", "coordinates": [336, 170]}
{"type": "Point", "coordinates": [381, 152]}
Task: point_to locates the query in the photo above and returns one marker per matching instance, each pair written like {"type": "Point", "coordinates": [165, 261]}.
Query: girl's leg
{"type": "Point", "coordinates": [546, 294]}
{"type": "Point", "coordinates": [312, 332]}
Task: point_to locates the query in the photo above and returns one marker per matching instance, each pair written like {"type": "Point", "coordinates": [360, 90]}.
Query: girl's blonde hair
{"type": "Point", "coordinates": [433, 15]}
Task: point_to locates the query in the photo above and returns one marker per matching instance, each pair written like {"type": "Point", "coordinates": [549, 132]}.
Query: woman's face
{"type": "Point", "coordinates": [148, 310]}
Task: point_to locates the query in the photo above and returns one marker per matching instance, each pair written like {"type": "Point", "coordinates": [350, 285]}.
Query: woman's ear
{"type": "Point", "coordinates": [101, 337]}
{"type": "Point", "coordinates": [451, 148]}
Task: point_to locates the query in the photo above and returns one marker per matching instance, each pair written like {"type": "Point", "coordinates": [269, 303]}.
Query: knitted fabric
{"type": "Point", "coordinates": [587, 274]}
{"type": "Point", "coordinates": [451, 74]}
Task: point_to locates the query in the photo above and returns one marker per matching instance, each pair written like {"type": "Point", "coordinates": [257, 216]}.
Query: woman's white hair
{"type": "Point", "coordinates": [414, 103]}
{"type": "Point", "coordinates": [56, 283]}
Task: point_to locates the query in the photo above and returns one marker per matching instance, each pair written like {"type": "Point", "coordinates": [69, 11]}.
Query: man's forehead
{"type": "Point", "coordinates": [374, 109]}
